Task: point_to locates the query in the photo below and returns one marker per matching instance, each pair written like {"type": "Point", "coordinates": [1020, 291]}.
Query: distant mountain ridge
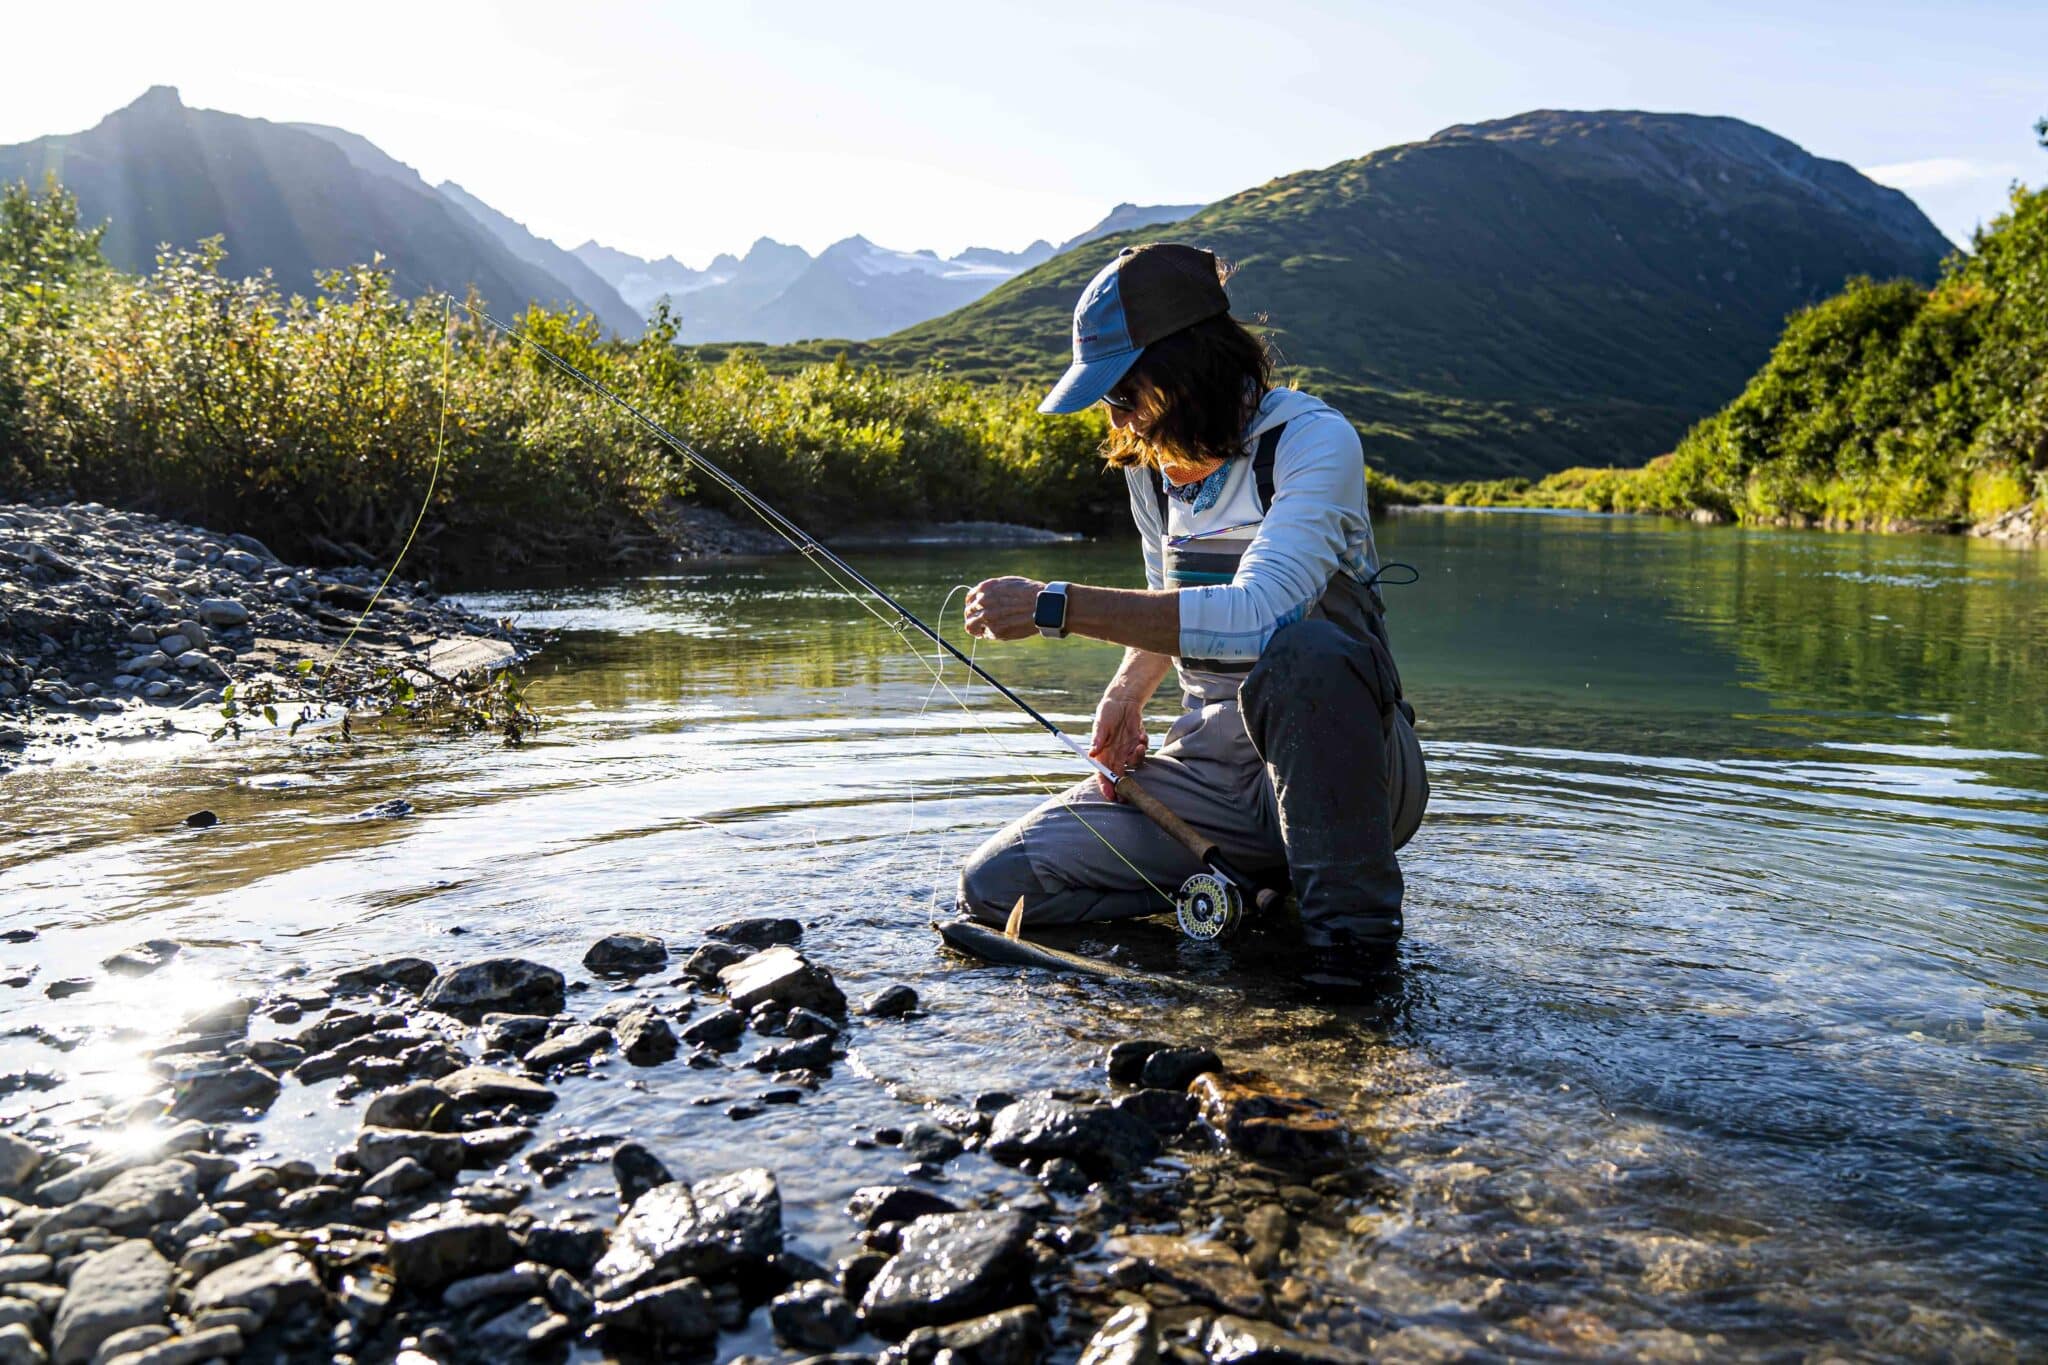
{"type": "Point", "coordinates": [1513, 297]}
{"type": "Point", "coordinates": [292, 199]}
{"type": "Point", "coordinates": [853, 288]}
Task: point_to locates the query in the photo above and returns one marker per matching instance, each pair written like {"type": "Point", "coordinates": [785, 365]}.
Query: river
{"type": "Point", "coordinates": [1722, 1023]}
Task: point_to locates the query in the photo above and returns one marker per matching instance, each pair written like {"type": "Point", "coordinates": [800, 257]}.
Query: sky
{"type": "Point", "coordinates": [690, 129]}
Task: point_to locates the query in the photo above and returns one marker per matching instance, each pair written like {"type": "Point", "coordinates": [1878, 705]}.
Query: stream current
{"type": "Point", "coordinates": [1722, 1021]}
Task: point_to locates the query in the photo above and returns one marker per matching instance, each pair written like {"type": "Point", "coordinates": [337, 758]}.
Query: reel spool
{"type": "Point", "coordinates": [1208, 907]}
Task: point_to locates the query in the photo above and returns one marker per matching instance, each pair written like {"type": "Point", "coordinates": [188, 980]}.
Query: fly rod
{"type": "Point", "coordinates": [1208, 905]}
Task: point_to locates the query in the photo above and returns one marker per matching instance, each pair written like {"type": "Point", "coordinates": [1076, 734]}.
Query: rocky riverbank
{"type": "Point", "coordinates": [1155, 1215]}
{"type": "Point", "coordinates": [121, 626]}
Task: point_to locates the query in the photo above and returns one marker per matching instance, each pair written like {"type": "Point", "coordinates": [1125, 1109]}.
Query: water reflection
{"type": "Point", "coordinates": [1722, 1025]}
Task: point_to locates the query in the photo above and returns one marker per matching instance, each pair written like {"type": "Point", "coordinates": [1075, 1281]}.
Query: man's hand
{"type": "Point", "coordinates": [1001, 608]}
{"type": "Point", "coordinates": [1118, 742]}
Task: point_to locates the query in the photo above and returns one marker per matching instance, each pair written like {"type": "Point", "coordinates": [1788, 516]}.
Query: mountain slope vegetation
{"type": "Point", "coordinates": [1504, 298]}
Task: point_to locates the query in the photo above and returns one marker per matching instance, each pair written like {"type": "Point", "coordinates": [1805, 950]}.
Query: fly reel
{"type": "Point", "coordinates": [1208, 907]}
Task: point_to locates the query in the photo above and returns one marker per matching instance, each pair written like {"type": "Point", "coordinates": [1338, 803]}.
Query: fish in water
{"type": "Point", "coordinates": [993, 945]}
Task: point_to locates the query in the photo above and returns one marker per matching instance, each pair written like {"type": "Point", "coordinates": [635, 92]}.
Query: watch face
{"type": "Point", "coordinates": [1050, 611]}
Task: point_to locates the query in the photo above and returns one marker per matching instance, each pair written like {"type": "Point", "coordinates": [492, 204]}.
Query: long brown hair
{"type": "Point", "coordinates": [1193, 392]}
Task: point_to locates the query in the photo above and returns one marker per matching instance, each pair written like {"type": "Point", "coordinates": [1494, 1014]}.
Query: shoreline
{"type": "Point", "coordinates": [118, 628]}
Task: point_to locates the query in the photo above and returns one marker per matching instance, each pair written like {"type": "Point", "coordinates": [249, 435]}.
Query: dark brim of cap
{"type": "Point", "coordinates": [1085, 381]}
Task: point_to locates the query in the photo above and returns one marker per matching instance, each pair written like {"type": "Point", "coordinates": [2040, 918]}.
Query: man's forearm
{"type": "Point", "coordinates": [1134, 618]}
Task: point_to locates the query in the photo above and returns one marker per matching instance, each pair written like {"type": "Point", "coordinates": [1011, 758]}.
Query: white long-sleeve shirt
{"type": "Point", "coordinates": [1284, 555]}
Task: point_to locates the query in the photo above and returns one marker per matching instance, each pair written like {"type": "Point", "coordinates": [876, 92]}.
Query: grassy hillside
{"type": "Point", "coordinates": [1888, 406]}
{"type": "Point", "coordinates": [1508, 298]}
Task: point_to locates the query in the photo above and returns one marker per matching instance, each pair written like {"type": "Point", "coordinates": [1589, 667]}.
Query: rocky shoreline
{"type": "Point", "coordinates": [118, 626]}
{"type": "Point", "coordinates": [1154, 1217]}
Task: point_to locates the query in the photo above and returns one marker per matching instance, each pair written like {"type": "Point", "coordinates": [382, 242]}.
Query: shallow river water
{"type": "Point", "coordinates": [1722, 1024]}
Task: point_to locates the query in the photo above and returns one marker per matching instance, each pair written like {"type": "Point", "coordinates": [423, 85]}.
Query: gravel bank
{"type": "Point", "coordinates": [121, 626]}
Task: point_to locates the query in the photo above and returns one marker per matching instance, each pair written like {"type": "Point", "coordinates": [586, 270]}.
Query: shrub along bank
{"type": "Point", "coordinates": [315, 421]}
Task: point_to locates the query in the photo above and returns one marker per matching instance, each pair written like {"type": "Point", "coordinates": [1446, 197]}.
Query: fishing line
{"type": "Point", "coordinates": [832, 566]}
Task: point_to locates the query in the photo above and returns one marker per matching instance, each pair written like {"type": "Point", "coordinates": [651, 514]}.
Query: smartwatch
{"type": "Point", "coordinates": [1049, 613]}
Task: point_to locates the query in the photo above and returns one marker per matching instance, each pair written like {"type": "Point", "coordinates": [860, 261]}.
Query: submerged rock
{"type": "Point", "coordinates": [1126, 1339]}
{"type": "Point", "coordinates": [1207, 1272]}
{"type": "Point", "coordinates": [124, 1286]}
{"type": "Point", "coordinates": [143, 958]}
{"type": "Point", "coordinates": [715, 1226]}
{"type": "Point", "coordinates": [1241, 1341]}
{"type": "Point", "coordinates": [626, 955]}
{"type": "Point", "coordinates": [951, 1266]}
{"type": "Point", "coordinates": [1101, 1140]}
{"type": "Point", "coordinates": [784, 977]}
{"type": "Point", "coordinates": [502, 985]}
{"type": "Point", "coordinates": [1269, 1125]}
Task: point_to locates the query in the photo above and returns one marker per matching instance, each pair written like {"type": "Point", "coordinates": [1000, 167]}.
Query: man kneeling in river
{"type": "Point", "coordinates": [1294, 750]}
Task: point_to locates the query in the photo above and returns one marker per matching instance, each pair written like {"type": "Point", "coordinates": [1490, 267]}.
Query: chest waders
{"type": "Point", "coordinates": [1209, 906]}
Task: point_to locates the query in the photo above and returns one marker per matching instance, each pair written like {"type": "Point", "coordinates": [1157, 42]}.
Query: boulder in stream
{"type": "Point", "coordinates": [1103, 1141]}
{"type": "Point", "coordinates": [712, 1228]}
{"type": "Point", "coordinates": [499, 985]}
{"type": "Point", "coordinates": [782, 976]}
{"type": "Point", "coordinates": [951, 1266]}
{"type": "Point", "coordinates": [626, 955]}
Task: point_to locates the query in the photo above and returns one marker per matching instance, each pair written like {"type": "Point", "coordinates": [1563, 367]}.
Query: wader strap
{"type": "Point", "coordinates": [1262, 474]}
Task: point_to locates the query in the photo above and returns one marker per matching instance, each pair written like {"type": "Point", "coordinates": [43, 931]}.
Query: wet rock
{"type": "Point", "coordinates": [500, 985]}
{"type": "Point", "coordinates": [1207, 1272]}
{"type": "Point", "coordinates": [132, 1202]}
{"type": "Point", "coordinates": [572, 1243]}
{"type": "Point", "coordinates": [1015, 1336]}
{"type": "Point", "coordinates": [803, 1023]}
{"type": "Point", "coordinates": [637, 1170]}
{"type": "Point", "coordinates": [489, 1146]}
{"type": "Point", "coordinates": [449, 1244]}
{"type": "Point", "coordinates": [719, 1029]}
{"type": "Point", "coordinates": [1240, 1341]}
{"type": "Point", "coordinates": [1103, 1141]}
{"type": "Point", "coordinates": [1174, 1068]}
{"type": "Point", "coordinates": [379, 1149]}
{"type": "Point", "coordinates": [951, 1266]}
{"type": "Point", "coordinates": [400, 1178]}
{"type": "Point", "coordinates": [809, 1054]}
{"type": "Point", "coordinates": [626, 955]}
{"type": "Point", "coordinates": [267, 1284]}
{"type": "Point", "coordinates": [64, 990]}
{"type": "Point", "coordinates": [272, 1054]}
{"type": "Point", "coordinates": [577, 1043]}
{"type": "Point", "coordinates": [756, 933]}
{"type": "Point", "coordinates": [1270, 1125]}
{"type": "Point", "coordinates": [785, 977]}
{"type": "Point", "coordinates": [715, 1226]}
{"type": "Point", "coordinates": [314, 1204]}
{"type": "Point", "coordinates": [516, 1033]}
{"type": "Point", "coordinates": [201, 1222]}
{"type": "Point", "coordinates": [1127, 1338]}
{"type": "Point", "coordinates": [1126, 1060]}
{"type": "Point", "coordinates": [924, 1140]}
{"type": "Point", "coordinates": [200, 819]}
{"type": "Point", "coordinates": [812, 1316]}
{"type": "Point", "coordinates": [440, 1105]}
{"type": "Point", "coordinates": [523, 1328]}
{"type": "Point", "coordinates": [521, 1280]}
{"type": "Point", "coordinates": [704, 965]}
{"type": "Point", "coordinates": [645, 1038]}
{"type": "Point", "coordinates": [874, 1205]}
{"type": "Point", "coordinates": [409, 974]}
{"type": "Point", "coordinates": [680, 1311]}
{"type": "Point", "coordinates": [1166, 1112]}
{"type": "Point", "coordinates": [341, 1059]}
{"type": "Point", "coordinates": [568, 1295]}
{"type": "Point", "coordinates": [19, 1161]}
{"type": "Point", "coordinates": [142, 958]}
{"type": "Point", "coordinates": [890, 1002]}
{"type": "Point", "coordinates": [1271, 1232]}
{"type": "Point", "coordinates": [127, 1285]}
{"type": "Point", "coordinates": [341, 1026]}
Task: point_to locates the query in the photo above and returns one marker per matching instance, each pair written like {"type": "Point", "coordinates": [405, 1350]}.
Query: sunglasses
{"type": "Point", "coordinates": [1121, 401]}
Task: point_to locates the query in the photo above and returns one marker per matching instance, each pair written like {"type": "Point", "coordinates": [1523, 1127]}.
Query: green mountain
{"type": "Point", "coordinates": [291, 199]}
{"type": "Point", "coordinates": [1513, 297]}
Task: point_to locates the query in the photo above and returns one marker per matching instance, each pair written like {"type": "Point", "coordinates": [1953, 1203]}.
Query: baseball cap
{"type": "Point", "coordinates": [1146, 293]}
